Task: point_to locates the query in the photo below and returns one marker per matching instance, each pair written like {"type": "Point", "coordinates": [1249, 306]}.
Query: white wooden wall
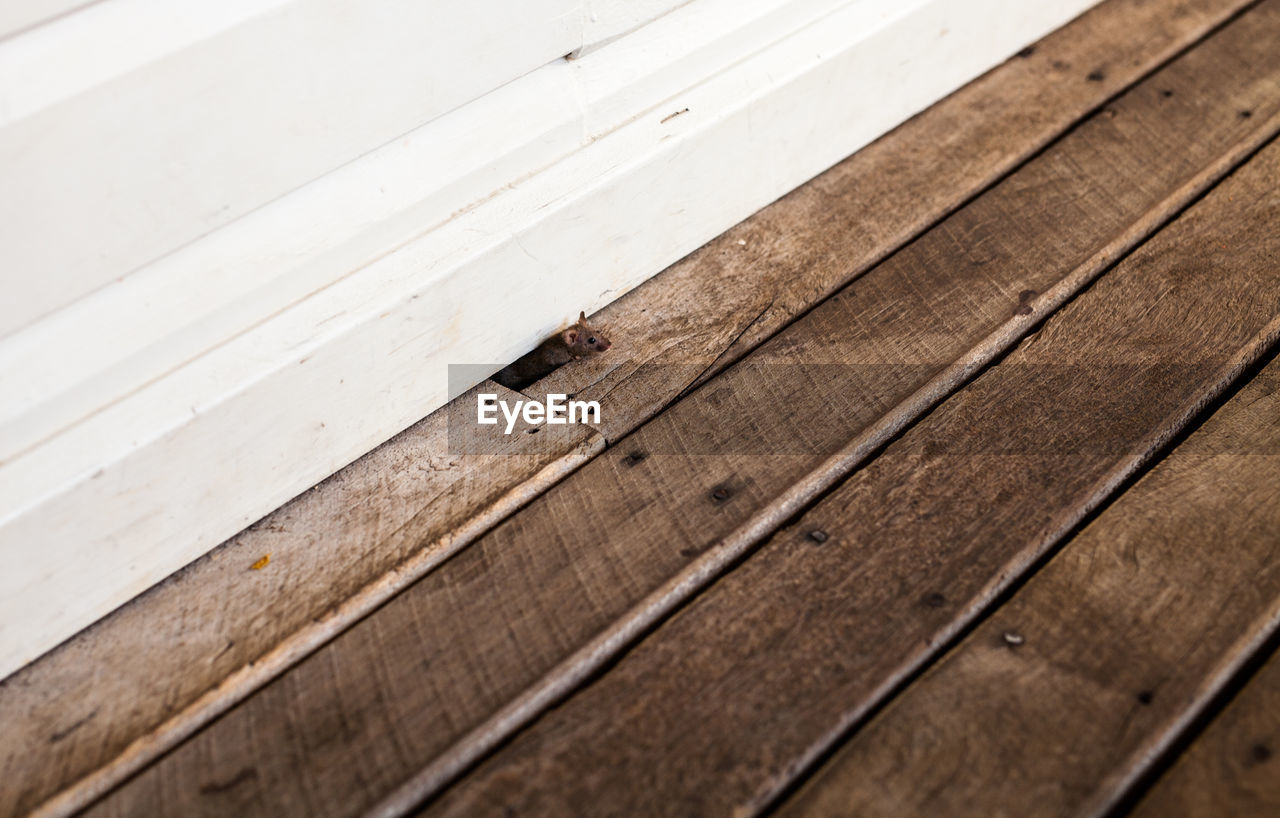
{"type": "Point", "coordinates": [240, 242]}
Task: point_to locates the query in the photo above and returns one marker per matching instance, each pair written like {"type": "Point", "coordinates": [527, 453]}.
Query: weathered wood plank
{"type": "Point", "coordinates": [721, 707]}
{"type": "Point", "coordinates": [709, 309]}
{"type": "Point", "coordinates": [1117, 644]}
{"type": "Point", "coordinates": [1230, 769]}
{"type": "Point", "coordinates": [481, 645]}
{"type": "Point", "coordinates": [140, 680]}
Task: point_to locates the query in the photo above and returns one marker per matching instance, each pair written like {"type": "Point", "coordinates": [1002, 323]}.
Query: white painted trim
{"type": "Point", "coordinates": [133, 127]}
{"type": "Point", "coordinates": [698, 41]}
{"type": "Point", "coordinates": [125, 496]}
{"type": "Point", "coordinates": [606, 20]}
{"type": "Point", "coordinates": [18, 15]}
{"type": "Point", "coordinates": [104, 41]}
{"type": "Point", "coordinates": [147, 324]}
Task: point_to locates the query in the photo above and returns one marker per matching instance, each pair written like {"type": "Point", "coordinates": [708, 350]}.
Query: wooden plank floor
{"type": "Point", "coordinates": [149, 675]}
{"type": "Point", "coordinates": [945, 485]}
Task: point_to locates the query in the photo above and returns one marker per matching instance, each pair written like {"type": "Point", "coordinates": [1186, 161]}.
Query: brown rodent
{"type": "Point", "coordinates": [577, 341]}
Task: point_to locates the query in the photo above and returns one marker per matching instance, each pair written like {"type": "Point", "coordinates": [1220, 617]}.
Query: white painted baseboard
{"type": "Point", "coordinates": [607, 20]}
{"type": "Point", "coordinates": [228, 376]}
{"type": "Point", "coordinates": [17, 15]}
{"type": "Point", "coordinates": [132, 127]}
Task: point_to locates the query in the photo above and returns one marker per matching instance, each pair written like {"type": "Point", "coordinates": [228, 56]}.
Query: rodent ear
{"type": "Point", "coordinates": [570, 336]}
{"type": "Point", "coordinates": [582, 317]}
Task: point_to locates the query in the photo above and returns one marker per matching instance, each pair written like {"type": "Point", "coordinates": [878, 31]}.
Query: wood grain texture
{"type": "Point", "coordinates": [1121, 640]}
{"type": "Point", "coordinates": [1230, 769]}
{"type": "Point", "coordinates": [706, 311]}
{"type": "Point", "coordinates": [138, 681]}
{"type": "Point", "coordinates": [479, 646]}
{"type": "Point", "coordinates": [721, 707]}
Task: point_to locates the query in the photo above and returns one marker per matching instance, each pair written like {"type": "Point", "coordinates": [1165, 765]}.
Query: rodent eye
{"type": "Point", "coordinates": [591, 340]}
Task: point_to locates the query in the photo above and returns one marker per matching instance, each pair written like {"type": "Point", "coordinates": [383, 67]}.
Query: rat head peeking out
{"type": "Point", "coordinates": [583, 339]}
{"type": "Point", "coordinates": [578, 341]}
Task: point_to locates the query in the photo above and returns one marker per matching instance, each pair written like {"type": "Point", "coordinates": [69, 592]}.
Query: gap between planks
{"type": "Point", "coordinates": [1229, 769]}
{"type": "Point", "coordinates": [618, 636]}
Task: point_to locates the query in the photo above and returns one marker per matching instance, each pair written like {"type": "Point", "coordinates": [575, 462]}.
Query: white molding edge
{"type": "Point", "coordinates": [117, 500]}
{"type": "Point", "coordinates": [18, 15]}
{"type": "Point", "coordinates": [606, 20]}
{"type": "Point", "coordinates": [132, 127]}
{"type": "Point", "coordinates": [106, 40]}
